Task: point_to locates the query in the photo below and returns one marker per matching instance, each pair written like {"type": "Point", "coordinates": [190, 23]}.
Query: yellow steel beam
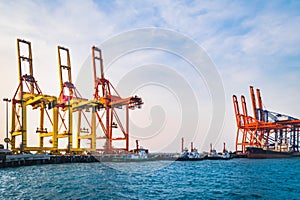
{"type": "Point", "coordinates": [24, 126]}
{"type": "Point", "coordinates": [39, 148]}
{"type": "Point", "coordinates": [42, 118]}
{"type": "Point", "coordinates": [85, 136]}
{"type": "Point", "coordinates": [81, 104]}
{"type": "Point", "coordinates": [63, 135]}
{"type": "Point", "coordinates": [55, 127]}
{"type": "Point", "coordinates": [13, 124]}
{"type": "Point", "coordinates": [49, 134]}
{"type": "Point", "coordinates": [16, 133]}
{"type": "Point", "coordinates": [70, 131]}
{"type": "Point", "coordinates": [33, 100]}
{"type": "Point", "coordinates": [78, 129]}
{"type": "Point", "coordinates": [93, 129]}
{"type": "Point", "coordinates": [78, 150]}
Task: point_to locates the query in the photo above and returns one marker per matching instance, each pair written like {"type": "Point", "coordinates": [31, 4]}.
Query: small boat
{"type": "Point", "coordinates": [189, 156]}
{"type": "Point", "coordinates": [141, 155]}
{"type": "Point", "coordinates": [213, 155]}
{"type": "Point", "coordinates": [226, 155]}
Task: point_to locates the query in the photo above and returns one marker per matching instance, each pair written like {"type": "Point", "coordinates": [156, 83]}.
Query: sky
{"type": "Point", "coordinates": [243, 42]}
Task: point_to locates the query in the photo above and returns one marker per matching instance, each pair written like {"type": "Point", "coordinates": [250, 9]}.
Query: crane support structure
{"type": "Point", "coordinates": [29, 94]}
{"type": "Point", "coordinates": [70, 102]}
{"type": "Point", "coordinates": [108, 118]}
{"type": "Point", "coordinates": [57, 126]}
{"type": "Point", "coordinates": [268, 130]}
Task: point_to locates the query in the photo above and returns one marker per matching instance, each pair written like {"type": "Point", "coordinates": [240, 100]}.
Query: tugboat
{"type": "Point", "coordinates": [225, 155]}
{"type": "Point", "coordinates": [213, 155]}
{"type": "Point", "coordinates": [189, 156]}
{"type": "Point", "coordinates": [136, 155]}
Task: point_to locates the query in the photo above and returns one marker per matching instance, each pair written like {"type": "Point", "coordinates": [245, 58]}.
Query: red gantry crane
{"type": "Point", "coordinates": [108, 117]}
{"type": "Point", "coordinates": [266, 129]}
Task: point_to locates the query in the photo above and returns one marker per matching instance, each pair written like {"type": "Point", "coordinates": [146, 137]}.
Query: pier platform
{"type": "Point", "coordinates": [36, 159]}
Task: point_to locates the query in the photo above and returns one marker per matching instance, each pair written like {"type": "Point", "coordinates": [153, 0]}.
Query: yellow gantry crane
{"type": "Point", "coordinates": [29, 94]}
{"type": "Point", "coordinates": [63, 108]}
{"type": "Point", "coordinates": [70, 102]}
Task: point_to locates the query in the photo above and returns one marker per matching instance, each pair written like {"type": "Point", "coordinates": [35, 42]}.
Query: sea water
{"type": "Point", "coordinates": [208, 179]}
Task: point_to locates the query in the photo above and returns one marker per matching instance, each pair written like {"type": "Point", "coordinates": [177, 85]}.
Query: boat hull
{"type": "Point", "coordinates": [255, 152]}
{"type": "Point", "coordinates": [189, 159]}
{"type": "Point", "coordinates": [216, 158]}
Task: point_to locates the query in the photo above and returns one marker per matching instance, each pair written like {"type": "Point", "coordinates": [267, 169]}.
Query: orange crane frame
{"type": "Point", "coordinates": [111, 100]}
{"type": "Point", "coordinates": [259, 131]}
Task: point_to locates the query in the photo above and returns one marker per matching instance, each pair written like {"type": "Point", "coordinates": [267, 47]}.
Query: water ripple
{"type": "Point", "coordinates": [233, 179]}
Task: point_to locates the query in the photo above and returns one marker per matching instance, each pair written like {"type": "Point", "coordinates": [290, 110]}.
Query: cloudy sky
{"type": "Point", "coordinates": [248, 43]}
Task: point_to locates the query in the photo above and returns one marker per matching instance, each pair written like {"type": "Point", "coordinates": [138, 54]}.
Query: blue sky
{"type": "Point", "coordinates": [249, 42]}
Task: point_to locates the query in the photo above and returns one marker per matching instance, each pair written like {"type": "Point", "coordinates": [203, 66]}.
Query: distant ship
{"type": "Point", "coordinates": [256, 152]}
{"type": "Point", "coordinates": [213, 155]}
{"type": "Point", "coordinates": [190, 156]}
